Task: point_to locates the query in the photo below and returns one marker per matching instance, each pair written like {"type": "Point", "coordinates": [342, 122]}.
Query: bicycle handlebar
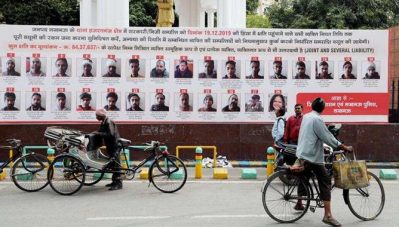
{"type": "Point", "coordinates": [152, 143]}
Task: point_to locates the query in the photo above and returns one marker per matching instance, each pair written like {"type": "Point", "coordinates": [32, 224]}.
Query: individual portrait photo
{"type": "Point", "coordinates": [253, 69]}
{"type": "Point", "coordinates": [112, 102]}
{"type": "Point", "coordinates": [136, 68]}
{"type": "Point", "coordinates": [36, 101]}
{"type": "Point", "coordinates": [184, 102]}
{"type": "Point", "coordinates": [61, 67]}
{"type": "Point", "coordinates": [348, 70]}
{"type": "Point", "coordinates": [254, 103]}
{"type": "Point", "coordinates": [135, 102]}
{"type": "Point", "coordinates": [208, 101]}
{"type": "Point", "coordinates": [61, 101]}
{"type": "Point", "coordinates": [11, 101]}
{"type": "Point", "coordinates": [302, 70]}
{"type": "Point", "coordinates": [11, 66]}
{"type": "Point", "coordinates": [184, 68]}
{"type": "Point", "coordinates": [86, 67]}
{"type": "Point", "coordinates": [111, 67]}
{"type": "Point", "coordinates": [232, 70]}
{"type": "Point", "coordinates": [36, 67]}
{"type": "Point", "coordinates": [161, 102]}
{"type": "Point", "coordinates": [159, 69]}
{"type": "Point", "coordinates": [324, 71]}
{"type": "Point", "coordinates": [232, 104]}
{"type": "Point", "coordinates": [370, 70]}
{"type": "Point", "coordinates": [277, 101]}
{"type": "Point", "coordinates": [208, 70]}
{"type": "Point", "coordinates": [278, 69]}
{"type": "Point", "coordinates": [86, 101]}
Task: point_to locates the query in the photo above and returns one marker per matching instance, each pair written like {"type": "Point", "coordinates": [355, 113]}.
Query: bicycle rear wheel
{"type": "Point", "coordinates": [66, 175]}
{"type": "Point", "coordinates": [279, 198]}
{"type": "Point", "coordinates": [29, 172]}
{"type": "Point", "coordinates": [368, 202]}
{"type": "Point", "coordinates": [168, 173]}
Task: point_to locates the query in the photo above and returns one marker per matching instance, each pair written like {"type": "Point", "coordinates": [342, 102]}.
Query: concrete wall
{"type": "Point", "coordinates": [236, 141]}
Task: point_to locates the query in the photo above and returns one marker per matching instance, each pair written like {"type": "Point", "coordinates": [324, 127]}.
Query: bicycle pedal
{"type": "Point", "coordinates": [313, 209]}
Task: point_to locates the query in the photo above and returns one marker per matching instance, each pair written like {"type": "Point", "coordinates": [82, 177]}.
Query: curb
{"type": "Point", "coordinates": [263, 164]}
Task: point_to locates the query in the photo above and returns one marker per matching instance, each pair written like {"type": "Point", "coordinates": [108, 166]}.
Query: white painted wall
{"type": "Point", "coordinates": [104, 13]}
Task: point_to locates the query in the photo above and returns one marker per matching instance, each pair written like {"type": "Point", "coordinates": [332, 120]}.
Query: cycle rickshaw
{"type": "Point", "coordinates": [81, 162]}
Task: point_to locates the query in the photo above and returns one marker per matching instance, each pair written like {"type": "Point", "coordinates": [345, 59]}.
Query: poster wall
{"type": "Point", "coordinates": [61, 74]}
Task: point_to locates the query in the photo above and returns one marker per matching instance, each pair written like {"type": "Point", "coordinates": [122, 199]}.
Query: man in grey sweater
{"type": "Point", "coordinates": [312, 135]}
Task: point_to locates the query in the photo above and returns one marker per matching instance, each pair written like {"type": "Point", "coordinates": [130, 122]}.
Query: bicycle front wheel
{"type": "Point", "coordinates": [168, 173]}
{"type": "Point", "coordinates": [66, 175]}
{"type": "Point", "coordinates": [368, 202]}
{"type": "Point", "coordinates": [279, 199]}
{"type": "Point", "coordinates": [29, 172]}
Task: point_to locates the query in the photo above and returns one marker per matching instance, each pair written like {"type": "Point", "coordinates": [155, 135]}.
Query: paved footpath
{"type": "Point", "coordinates": [205, 202]}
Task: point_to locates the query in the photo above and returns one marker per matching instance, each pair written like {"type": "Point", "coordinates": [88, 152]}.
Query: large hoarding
{"type": "Point", "coordinates": [61, 74]}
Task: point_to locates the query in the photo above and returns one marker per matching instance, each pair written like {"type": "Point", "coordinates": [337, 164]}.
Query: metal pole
{"type": "Point", "coordinates": [397, 105]}
{"type": "Point", "coordinates": [393, 96]}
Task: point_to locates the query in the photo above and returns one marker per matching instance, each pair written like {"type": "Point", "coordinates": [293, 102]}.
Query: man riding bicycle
{"type": "Point", "coordinates": [310, 153]}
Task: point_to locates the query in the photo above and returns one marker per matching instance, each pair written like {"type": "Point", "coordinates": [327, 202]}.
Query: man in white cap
{"type": "Point", "coordinates": [109, 133]}
{"type": "Point", "coordinates": [36, 67]}
{"type": "Point", "coordinates": [371, 73]}
{"type": "Point", "coordinates": [87, 65]}
{"type": "Point", "coordinates": [111, 65]}
{"type": "Point", "coordinates": [11, 68]}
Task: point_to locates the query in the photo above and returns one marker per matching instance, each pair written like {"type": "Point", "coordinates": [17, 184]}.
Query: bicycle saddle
{"type": "Point", "coordinates": [14, 142]}
{"type": "Point", "coordinates": [124, 142]}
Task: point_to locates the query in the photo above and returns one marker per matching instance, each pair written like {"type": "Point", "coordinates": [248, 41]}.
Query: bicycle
{"type": "Point", "coordinates": [279, 198]}
{"type": "Point", "coordinates": [27, 172]}
{"type": "Point", "coordinates": [67, 174]}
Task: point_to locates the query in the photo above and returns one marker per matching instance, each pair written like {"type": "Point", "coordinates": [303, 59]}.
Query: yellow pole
{"type": "Point", "coordinates": [10, 154]}
{"type": "Point", "coordinates": [198, 163]}
{"type": "Point", "coordinates": [215, 153]}
{"type": "Point", "coordinates": [270, 161]}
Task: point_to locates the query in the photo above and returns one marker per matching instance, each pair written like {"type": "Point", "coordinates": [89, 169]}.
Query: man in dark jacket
{"type": "Point", "coordinates": [109, 133]}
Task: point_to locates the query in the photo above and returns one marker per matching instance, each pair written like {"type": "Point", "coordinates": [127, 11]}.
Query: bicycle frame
{"type": "Point", "coordinates": [153, 156]}
{"type": "Point", "coordinates": [13, 157]}
{"type": "Point", "coordinates": [313, 187]}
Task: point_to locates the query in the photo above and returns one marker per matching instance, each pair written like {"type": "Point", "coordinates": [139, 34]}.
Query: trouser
{"type": "Point", "coordinates": [323, 180]}
{"type": "Point", "coordinates": [115, 153]}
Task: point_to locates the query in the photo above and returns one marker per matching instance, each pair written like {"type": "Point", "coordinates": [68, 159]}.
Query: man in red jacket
{"type": "Point", "coordinates": [291, 131]}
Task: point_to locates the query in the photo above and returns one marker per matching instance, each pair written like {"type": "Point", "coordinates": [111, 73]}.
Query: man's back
{"type": "Point", "coordinates": [311, 137]}
{"type": "Point", "coordinates": [109, 132]}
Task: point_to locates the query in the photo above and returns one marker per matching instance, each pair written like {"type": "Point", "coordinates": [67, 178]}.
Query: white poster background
{"type": "Point", "coordinates": [196, 45]}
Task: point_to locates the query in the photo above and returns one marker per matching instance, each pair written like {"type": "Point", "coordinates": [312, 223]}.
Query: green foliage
{"type": "Point", "coordinates": [40, 12]}
{"type": "Point", "coordinates": [258, 21]}
{"type": "Point", "coordinates": [252, 6]}
{"type": "Point", "coordinates": [142, 13]}
{"type": "Point", "coordinates": [337, 14]}
{"type": "Point", "coordinates": [2, 20]}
